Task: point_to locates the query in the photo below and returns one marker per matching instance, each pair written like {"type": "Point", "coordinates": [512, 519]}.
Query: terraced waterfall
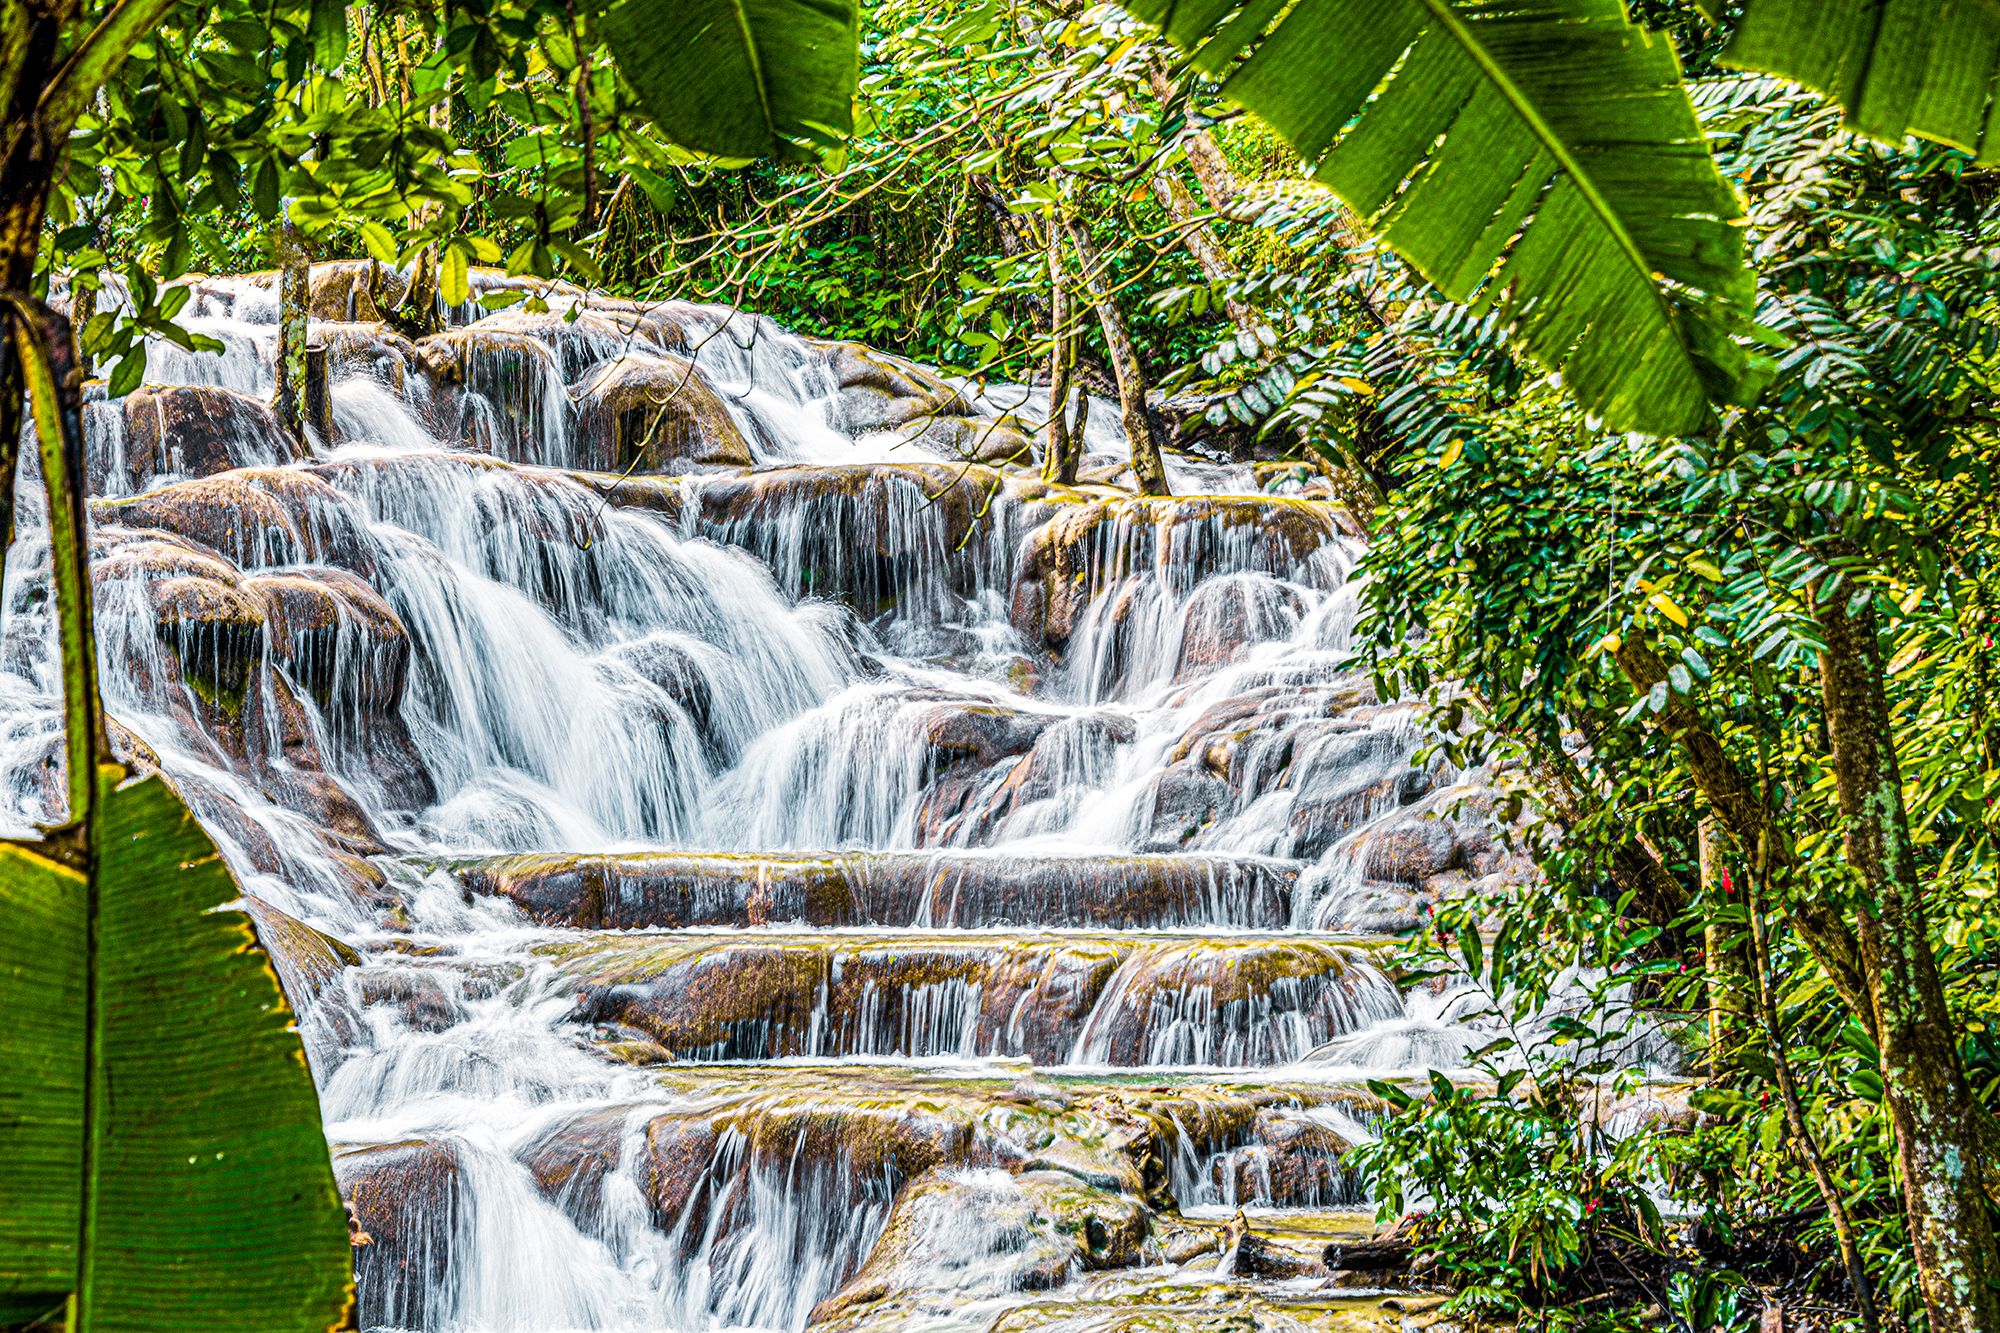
{"type": "Point", "coordinates": [745, 852]}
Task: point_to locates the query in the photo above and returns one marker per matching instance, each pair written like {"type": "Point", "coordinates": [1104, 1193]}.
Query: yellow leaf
{"type": "Point", "coordinates": [1705, 568]}
{"type": "Point", "coordinates": [1451, 453]}
{"type": "Point", "coordinates": [1666, 607]}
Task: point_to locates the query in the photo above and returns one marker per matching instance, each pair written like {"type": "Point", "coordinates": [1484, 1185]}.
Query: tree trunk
{"type": "Point", "coordinates": [1731, 796]}
{"type": "Point", "coordinates": [1059, 450]}
{"type": "Point", "coordinates": [1938, 1133]}
{"type": "Point", "coordinates": [294, 298]}
{"type": "Point", "coordinates": [1728, 991]}
{"type": "Point", "coordinates": [1206, 247]}
{"type": "Point", "coordinates": [1146, 462]}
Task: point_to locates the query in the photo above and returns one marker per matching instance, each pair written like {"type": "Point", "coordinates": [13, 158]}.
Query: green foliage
{"type": "Point", "coordinates": [1547, 160]}
{"type": "Point", "coordinates": [159, 1132]}
{"type": "Point", "coordinates": [741, 78]}
{"type": "Point", "coordinates": [1922, 68]}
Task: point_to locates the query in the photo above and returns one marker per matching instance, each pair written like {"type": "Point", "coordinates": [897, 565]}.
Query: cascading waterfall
{"type": "Point", "coordinates": [689, 878]}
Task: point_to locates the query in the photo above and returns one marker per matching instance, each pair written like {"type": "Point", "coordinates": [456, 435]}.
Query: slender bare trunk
{"type": "Point", "coordinates": [294, 298]}
{"type": "Point", "coordinates": [1147, 464]}
{"type": "Point", "coordinates": [1938, 1133]}
{"type": "Point", "coordinates": [1204, 245]}
{"type": "Point", "coordinates": [1059, 456]}
{"type": "Point", "coordinates": [1732, 797]}
{"type": "Point", "coordinates": [1766, 1010]}
{"type": "Point", "coordinates": [1728, 993]}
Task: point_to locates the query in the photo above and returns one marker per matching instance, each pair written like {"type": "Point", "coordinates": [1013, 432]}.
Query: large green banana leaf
{"type": "Point", "coordinates": [1924, 67]}
{"type": "Point", "coordinates": [162, 1166]}
{"type": "Point", "coordinates": [741, 78]}
{"type": "Point", "coordinates": [161, 1157]}
{"type": "Point", "coordinates": [1541, 154]}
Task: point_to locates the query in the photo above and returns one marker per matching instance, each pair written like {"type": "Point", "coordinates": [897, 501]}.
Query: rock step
{"type": "Point", "coordinates": [963, 889]}
{"type": "Point", "coordinates": [853, 1169]}
{"type": "Point", "coordinates": [1077, 998]}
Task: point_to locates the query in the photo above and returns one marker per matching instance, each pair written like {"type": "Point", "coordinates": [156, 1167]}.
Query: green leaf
{"type": "Point", "coordinates": [741, 78]}
{"type": "Point", "coordinates": [130, 370]}
{"type": "Point", "coordinates": [159, 1133]}
{"type": "Point", "coordinates": [327, 25]}
{"type": "Point", "coordinates": [1923, 67]}
{"type": "Point", "coordinates": [1542, 157]}
{"type": "Point", "coordinates": [454, 282]}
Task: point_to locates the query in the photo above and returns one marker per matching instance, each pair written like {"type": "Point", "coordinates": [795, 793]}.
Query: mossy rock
{"type": "Point", "coordinates": [655, 414]}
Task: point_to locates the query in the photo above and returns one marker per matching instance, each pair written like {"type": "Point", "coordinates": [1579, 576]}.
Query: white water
{"type": "Point", "coordinates": [581, 676]}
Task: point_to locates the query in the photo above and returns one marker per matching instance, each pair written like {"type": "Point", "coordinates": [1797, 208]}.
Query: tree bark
{"type": "Point", "coordinates": [1728, 993]}
{"type": "Point", "coordinates": [1567, 797]}
{"type": "Point", "coordinates": [1735, 802]}
{"type": "Point", "coordinates": [1060, 450]}
{"type": "Point", "coordinates": [1938, 1132]}
{"type": "Point", "coordinates": [294, 298]}
{"type": "Point", "coordinates": [1204, 245]}
{"type": "Point", "coordinates": [1147, 464]}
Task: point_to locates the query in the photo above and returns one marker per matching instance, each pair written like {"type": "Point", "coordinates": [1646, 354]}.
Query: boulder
{"type": "Point", "coordinates": [655, 414]}
{"type": "Point", "coordinates": [190, 430]}
{"type": "Point", "coordinates": [405, 1199]}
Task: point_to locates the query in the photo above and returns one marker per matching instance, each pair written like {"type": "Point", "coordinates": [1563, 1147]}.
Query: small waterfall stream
{"type": "Point", "coordinates": [698, 880]}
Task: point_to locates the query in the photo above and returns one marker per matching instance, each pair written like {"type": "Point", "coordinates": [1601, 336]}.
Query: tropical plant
{"type": "Point", "coordinates": [159, 1132]}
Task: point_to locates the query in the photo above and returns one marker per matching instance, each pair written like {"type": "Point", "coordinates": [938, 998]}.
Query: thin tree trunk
{"type": "Point", "coordinates": [1728, 995]}
{"type": "Point", "coordinates": [1204, 245]}
{"type": "Point", "coordinates": [1795, 1111]}
{"type": "Point", "coordinates": [1938, 1133]}
{"type": "Point", "coordinates": [1147, 464]}
{"type": "Point", "coordinates": [294, 298]}
{"type": "Point", "coordinates": [1059, 454]}
{"type": "Point", "coordinates": [1731, 796]}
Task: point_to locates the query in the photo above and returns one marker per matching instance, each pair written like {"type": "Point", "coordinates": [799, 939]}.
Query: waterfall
{"type": "Point", "coordinates": [710, 822]}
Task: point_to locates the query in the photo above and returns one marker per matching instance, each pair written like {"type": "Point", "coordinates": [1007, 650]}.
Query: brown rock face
{"type": "Point", "coordinates": [654, 890]}
{"type": "Point", "coordinates": [1091, 547]}
{"type": "Point", "coordinates": [571, 1158]}
{"type": "Point", "coordinates": [509, 392]}
{"type": "Point", "coordinates": [254, 517]}
{"type": "Point", "coordinates": [406, 1198]}
{"type": "Point", "coordinates": [355, 290]}
{"type": "Point", "coordinates": [878, 537]}
{"type": "Point", "coordinates": [580, 338]}
{"type": "Point", "coordinates": [191, 431]}
{"type": "Point", "coordinates": [783, 998]}
{"type": "Point", "coordinates": [654, 414]}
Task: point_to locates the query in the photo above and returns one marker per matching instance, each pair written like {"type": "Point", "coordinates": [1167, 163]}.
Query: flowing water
{"type": "Point", "coordinates": [813, 839]}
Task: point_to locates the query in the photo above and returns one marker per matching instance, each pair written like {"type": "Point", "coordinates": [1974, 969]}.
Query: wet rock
{"type": "Point", "coordinates": [1227, 615]}
{"type": "Point", "coordinates": [571, 1158]}
{"type": "Point", "coordinates": [727, 999]}
{"type": "Point", "coordinates": [311, 965]}
{"type": "Point", "coordinates": [1240, 1002]}
{"type": "Point", "coordinates": [654, 890]}
{"type": "Point", "coordinates": [355, 290]}
{"type": "Point", "coordinates": [880, 391]}
{"type": "Point", "coordinates": [1188, 799]}
{"type": "Point", "coordinates": [370, 349]}
{"type": "Point", "coordinates": [957, 1235]}
{"type": "Point", "coordinates": [418, 997]}
{"type": "Point", "coordinates": [580, 338]}
{"type": "Point", "coordinates": [510, 399]}
{"type": "Point", "coordinates": [1409, 850]}
{"type": "Point", "coordinates": [1089, 548]}
{"type": "Point", "coordinates": [879, 537]}
{"type": "Point", "coordinates": [668, 326]}
{"type": "Point", "coordinates": [1113, 892]}
{"type": "Point", "coordinates": [405, 1197]}
{"type": "Point", "coordinates": [655, 414]}
{"type": "Point", "coordinates": [339, 642]}
{"type": "Point", "coordinates": [191, 431]}
{"type": "Point", "coordinates": [254, 517]}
